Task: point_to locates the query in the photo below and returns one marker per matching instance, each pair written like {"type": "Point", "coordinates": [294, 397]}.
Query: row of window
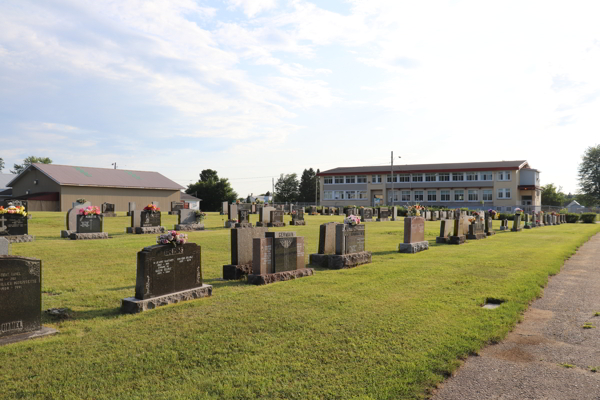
{"type": "Point", "coordinates": [421, 195]}
{"type": "Point", "coordinates": [429, 177]}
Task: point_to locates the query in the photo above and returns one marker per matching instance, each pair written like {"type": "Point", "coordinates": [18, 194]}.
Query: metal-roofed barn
{"type": "Point", "coordinates": [51, 187]}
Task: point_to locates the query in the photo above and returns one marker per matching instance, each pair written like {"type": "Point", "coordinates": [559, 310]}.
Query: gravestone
{"type": "Point", "coordinates": [555, 220]}
{"type": "Point", "coordinates": [253, 209]}
{"type": "Point", "coordinates": [435, 215]}
{"type": "Point", "coordinates": [108, 210]}
{"type": "Point", "coordinates": [224, 208]}
{"type": "Point", "coordinates": [71, 220]}
{"type": "Point", "coordinates": [155, 203]}
{"type": "Point", "coordinates": [243, 219]}
{"type": "Point", "coordinates": [366, 214]}
{"type": "Point", "coordinates": [176, 206]}
{"type": "Point", "coordinates": [241, 251]}
{"type": "Point", "coordinates": [476, 231]}
{"type": "Point", "coordinates": [89, 227]}
{"type": "Point", "coordinates": [504, 225]}
{"type": "Point", "coordinates": [17, 203]}
{"type": "Point", "coordinates": [264, 216]}
{"type": "Point", "coordinates": [326, 246]}
{"type": "Point", "coordinates": [325, 211]}
{"type": "Point", "coordinates": [232, 215]}
{"type": "Point", "coordinates": [130, 208]}
{"type": "Point", "coordinates": [278, 257]}
{"type": "Point", "coordinates": [384, 214]}
{"type": "Point", "coordinates": [14, 228]}
{"type": "Point", "coordinates": [394, 211]}
{"type": "Point", "coordinates": [517, 223]}
{"type": "Point", "coordinates": [446, 229]}
{"type": "Point", "coordinates": [145, 222]}
{"type": "Point", "coordinates": [276, 219]}
{"type": "Point", "coordinates": [165, 275]}
{"type": "Point", "coordinates": [414, 236]}
{"type": "Point", "coordinates": [4, 247]}
{"type": "Point", "coordinates": [489, 230]}
{"type": "Point", "coordinates": [21, 299]}
{"type": "Point", "coordinates": [341, 246]}
{"type": "Point", "coordinates": [298, 217]}
{"type": "Point", "coordinates": [187, 221]}
{"type": "Point", "coordinates": [350, 211]}
{"type": "Point", "coordinates": [458, 236]}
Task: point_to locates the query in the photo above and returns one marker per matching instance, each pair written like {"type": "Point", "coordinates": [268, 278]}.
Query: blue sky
{"type": "Point", "coordinates": [257, 88]}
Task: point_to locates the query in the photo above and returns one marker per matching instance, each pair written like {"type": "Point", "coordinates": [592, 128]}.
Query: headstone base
{"type": "Point", "coordinates": [477, 236]}
{"type": "Point", "coordinates": [298, 223]}
{"type": "Point", "coordinates": [366, 220]}
{"type": "Point", "coordinates": [233, 272]}
{"type": "Point", "coordinates": [260, 224]}
{"type": "Point", "coordinates": [320, 260]}
{"type": "Point", "coordinates": [457, 239]}
{"type": "Point", "coordinates": [441, 239]}
{"type": "Point", "coordinates": [275, 224]}
{"type": "Point", "coordinates": [66, 234]}
{"type": "Point", "coordinates": [19, 238]}
{"type": "Point", "coordinates": [109, 214]}
{"type": "Point", "coordinates": [351, 260]}
{"type": "Point", "coordinates": [88, 236]}
{"type": "Point", "coordinates": [382, 219]}
{"type": "Point", "coordinates": [490, 233]}
{"type": "Point", "coordinates": [279, 276]}
{"type": "Point", "coordinates": [230, 224]}
{"type": "Point", "coordinates": [413, 247]}
{"type": "Point", "coordinates": [504, 228]}
{"type": "Point", "coordinates": [173, 213]}
{"type": "Point", "coordinates": [19, 337]}
{"type": "Point", "coordinates": [149, 229]}
{"type": "Point", "coordinates": [516, 229]}
{"type": "Point", "coordinates": [131, 305]}
{"type": "Point", "coordinates": [243, 225]}
{"type": "Point", "coordinates": [189, 227]}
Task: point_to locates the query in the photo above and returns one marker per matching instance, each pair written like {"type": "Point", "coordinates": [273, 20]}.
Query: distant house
{"type": "Point", "coordinates": [194, 202]}
{"type": "Point", "coordinates": [5, 191]}
{"type": "Point", "coordinates": [51, 187]}
{"type": "Point", "coordinates": [575, 207]}
{"type": "Point", "coordinates": [264, 199]}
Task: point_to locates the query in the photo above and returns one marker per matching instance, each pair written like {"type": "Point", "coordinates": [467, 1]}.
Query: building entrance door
{"type": "Point", "coordinates": [377, 200]}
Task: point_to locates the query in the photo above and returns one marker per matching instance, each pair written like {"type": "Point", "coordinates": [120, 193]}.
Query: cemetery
{"type": "Point", "coordinates": [229, 336]}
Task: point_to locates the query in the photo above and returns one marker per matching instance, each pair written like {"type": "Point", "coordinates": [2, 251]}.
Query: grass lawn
{"type": "Point", "coordinates": [391, 329]}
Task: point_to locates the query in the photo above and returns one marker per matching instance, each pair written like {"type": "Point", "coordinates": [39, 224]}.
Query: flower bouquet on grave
{"type": "Point", "coordinates": [414, 211]}
{"type": "Point", "coordinates": [172, 237]}
{"type": "Point", "coordinates": [80, 201]}
{"type": "Point", "coordinates": [89, 210]}
{"type": "Point", "coordinates": [492, 213]}
{"type": "Point", "coordinates": [472, 219]}
{"type": "Point", "coordinates": [152, 208]}
{"type": "Point", "coordinates": [13, 210]}
{"type": "Point", "coordinates": [518, 211]}
{"type": "Point", "coordinates": [352, 220]}
{"type": "Point", "coordinates": [200, 216]}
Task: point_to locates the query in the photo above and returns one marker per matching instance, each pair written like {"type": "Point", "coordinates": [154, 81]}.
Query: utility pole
{"type": "Point", "coordinates": [114, 164]}
{"type": "Point", "coordinates": [392, 179]}
{"type": "Point", "coordinates": [273, 190]}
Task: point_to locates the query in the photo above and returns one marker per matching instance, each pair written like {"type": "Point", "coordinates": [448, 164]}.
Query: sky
{"type": "Point", "coordinates": [258, 88]}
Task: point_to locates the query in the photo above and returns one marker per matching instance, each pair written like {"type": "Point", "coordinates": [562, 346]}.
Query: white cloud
{"type": "Point", "coordinates": [252, 7]}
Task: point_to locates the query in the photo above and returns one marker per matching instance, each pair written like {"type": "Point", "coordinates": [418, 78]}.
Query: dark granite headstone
{"type": "Point", "coordinates": [20, 295]}
{"type": "Point", "coordinates": [177, 205]}
{"type": "Point", "coordinates": [517, 223]}
{"type": "Point", "coordinates": [327, 241]}
{"type": "Point", "coordinates": [149, 219]}
{"type": "Point", "coordinates": [366, 214]}
{"type": "Point", "coordinates": [243, 216]}
{"type": "Point", "coordinates": [131, 208]}
{"type": "Point", "coordinates": [277, 252]}
{"type": "Point", "coordinates": [299, 215]}
{"type": "Point", "coordinates": [489, 230]}
{"type": "Point", "coordinates": [90, 223]}
{"type": "Point", "coordinates": [276, 218]}
{"type": "Point", "coordinates": [108, 208]}
{"type": "Point", "coordinates": [13, 225]}
{"type": "Point", "coordinates": [384, 214]}
{"type": "Point", "coordinates": [349, 239]}
{"type": "Point", "coordinates": [163, 269]}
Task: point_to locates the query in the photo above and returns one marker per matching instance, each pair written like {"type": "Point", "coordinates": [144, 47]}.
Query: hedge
{"type": "Point", "coordinates": [588, 218]}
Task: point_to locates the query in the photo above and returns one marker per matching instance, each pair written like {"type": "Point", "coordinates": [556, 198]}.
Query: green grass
{"type": "Point", "coordinates": [392, 329]}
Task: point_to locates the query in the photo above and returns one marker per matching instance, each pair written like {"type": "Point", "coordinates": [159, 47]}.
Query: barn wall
{"type": "Point", "coordinates": [119, 196]}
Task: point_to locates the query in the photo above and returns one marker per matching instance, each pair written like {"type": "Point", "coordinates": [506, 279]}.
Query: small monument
{"type": "Point", "coordinates": [4, 247]}
{"type": "Point", "coordinates": [476, 230]}
{"type": "Point", "coordinates": [90, 224]}
{"type": "Point", "coordinates": [130, 208]}
{"type": "Point", "coordinates": [298, 217]}
{"type": "Point", "coordinates": [189, 220]}
{"type": "Point", "coordinates": [243, 219]}
{"type": "Point", "coordinates": [446, 229]}
{"type": "Point", "coordinates": [276, 219]}
{"type": "Point", "coordinates": [504, 225]}
{"type": "Point", "coordinates": [224, 208]}
{"type": "Point", "coordinates": [327, 242]}
{"type": "Point", "coordinates": [108, 210]}
{"type": "Point", "coordinates": [264, 216]}
{"type": "Point", "coordinates": [167, 274]}
{"type": "Point", "coordinates": [349, 245]}
{"type": "Point", "coordinates": [13, 223]}
{"type": "Point", "coordinates": [278, 257]}
{"type": "Point", "coordinates": [489, 229]}
{"type": "Point", "coordinates": [458, 236]}
{"type": "Point", "coordinates": [384, 214]}
{"type": "Point", "coordinates": [414, 235]}
{"type": "Point", "coordinates": [394, 210]}
{"type": "Point", "coordinates": [71, 220]}
{"type": "Point", "coordinates": [517, 223]}
{"type": "Point", "coordinates": [176, 206]}
{"type": "Point", "coordinates": [232, 215]}
{"type": "Point", "coordinates": [366, 214]}
{"type": "Point", "coordinates": [241, 251]}
{"type": "Point", "coordinates": [146, 221]}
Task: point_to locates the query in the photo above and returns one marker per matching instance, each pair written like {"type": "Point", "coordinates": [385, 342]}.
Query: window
{"type": "Point", "coordinates": [503, 193]}
{"type": "Point", "coordinates": [328, 194]}
{"type": "Point", "coordinates": [403, 177]}
{"type": "Point", "coordinates": [472, 176]}
{"type": "Point", "coordinates": [430, 178]}
{"type": "Point", "coordinates": [376, 178]}
{"type": "Point", "coordinates": [459, 195]}
{"type": "Point", "coordinates": [350, 179]}
{"type": "Point", "coordinates": [473, 195]}
{"type": "Point", "coordinates": [361, 179]}
{"type": "Point", "coordinates": [444, 177]}
{"type": "Point", "coordinates": [338, 195]}
{"type": "Point", "coordinates": [328, 180]}
{"type": "Point", "coordinates": [487, 195]}
{"type": "Point", "coordinates": [395, 193]}
{"type": "Point", "coordinates": [406, 195]}
{"type": "Point", "coordinates": [389, 178]}
{"type": "Point", "coordinates": [419, 194]}
{"type": "Point", "coordinates": [508, 209]}
{"type": "Point", "coordinates": [444, 195]}
{"type": "Point", "coordinates": [431, 195]}
{"type": "Point", "coordinates": [339, 179]}
{"type": "Point", "coordinates": [458, 176]}
{"type": "Point", "coordinates": [417, 178]}
{"type": "Point", "coordinates": [486, 176]}
{"type": "Point", "coordinates": [498, 208]}
{"type": "Point", "coordinates": [350, 194]}
{"type": "Point", "coordinates": [504, 175]}
{"type": "Point", "coordinates": [362, 194]}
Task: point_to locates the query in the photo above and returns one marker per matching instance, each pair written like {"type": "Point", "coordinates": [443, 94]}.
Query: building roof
{"type": "Point", "coordinates": [68, 175]}
{"type": "Point", "coordinates": [4, 179]}
{"type": "Point", "coordinates": [416, 168]}
{"type": "Point", "coordinates": [574, 203]}
{"type": "Point", "coordinates": [188, 197]}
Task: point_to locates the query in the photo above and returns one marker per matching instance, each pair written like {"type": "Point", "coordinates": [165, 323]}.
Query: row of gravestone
{"type": "Point", "coordinates": [267, 217]}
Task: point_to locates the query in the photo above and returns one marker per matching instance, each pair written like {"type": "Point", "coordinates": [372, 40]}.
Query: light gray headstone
{"type": "Point", "coordinates": [233, 212]}
{"type": "Point", "coordinates": [187, 216]}
{"type": "Point", "coordinates": [155, 203]}
{"type": "Point", "coordinates": [4, 247]}
{"type": "Point", "coordinates": [265, 216]}
{"type": "Point", "coordinates": [72, 215]}
{"type": "Point", "coordinates": [136, 219]}
{"type": "Point", "coordinates": [131, 206]}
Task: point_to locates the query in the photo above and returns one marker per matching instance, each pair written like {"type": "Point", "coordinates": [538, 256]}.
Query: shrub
{"type": "Point", "coordinates": [402, 212]}
{"type": "Point", "coordinates": [464, 209]}
{"type": "Point", "coordinates": [572, 218]}
{"type": "Point", "coordinates": [588, 218]}
{"type": "Point", "coordinates": [563, 211]}
{"type": "Point", "coordinates": [510, 217]}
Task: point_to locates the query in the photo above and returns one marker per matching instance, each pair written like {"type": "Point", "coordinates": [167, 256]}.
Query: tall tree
{"type": "Point", "coordinates": [589, 174]}
{"type": "Point", "coordinates": [1, 164]}
{"type": "Point", "coordinates": [551, 196]}
{"type": "Point", "coordinates": [28, 161]}
{"type": "Point", "coordinates": [307, 186]}
{"type": "Point", "coordinates": [212, 190]}
{"type": "Point", "coordinates": [286, 188]}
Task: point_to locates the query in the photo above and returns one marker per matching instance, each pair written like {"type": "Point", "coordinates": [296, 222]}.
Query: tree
{"type": "Point", "coordinates": [212, 190]}
{"type": "Point", "coordinates": [1, 164]}
{"type": "Point", "coordinates": [28, 161]}
{"type": "Point", "coordinates": [307, 186]}
{"type": "Point", "coordinates": [589, 174]}
{"type": "Point", "coordinates": [286, 188]}
{"type": "Point", "coordinates": [552, 196]}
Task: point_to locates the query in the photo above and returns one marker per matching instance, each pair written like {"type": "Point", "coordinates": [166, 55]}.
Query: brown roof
{"type": "Point", "coordinates": [416, 168]}
{"type": "Point", "coordinates": [68, 175]}
{"type": "Point", "coordinates": [185, 196]}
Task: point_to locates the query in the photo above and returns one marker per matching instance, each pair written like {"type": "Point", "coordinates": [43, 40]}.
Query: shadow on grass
{"type": "Point", "coordinates": [384, 253]}
{"type": "Point", "coordinates": [119, 288]}
{"type": "Point", "coordinates": [105, 313]}
{"type": "Point", "coordinates": [220, 282]}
